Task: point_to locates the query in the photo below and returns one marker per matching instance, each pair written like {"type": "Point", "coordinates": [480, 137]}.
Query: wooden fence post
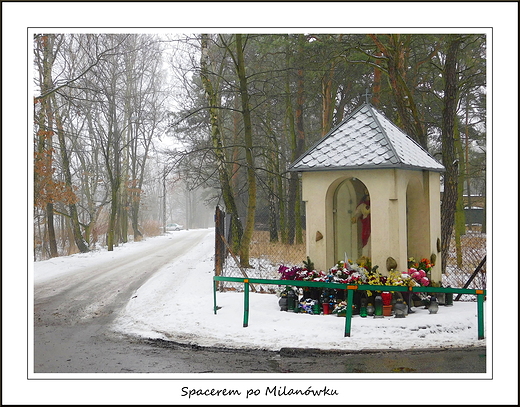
{"type": "Point", "coordinates": [219, 243]}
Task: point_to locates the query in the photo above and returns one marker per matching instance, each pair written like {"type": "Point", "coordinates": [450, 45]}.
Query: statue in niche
{"type": "Point", "coordinates": [362, 213]}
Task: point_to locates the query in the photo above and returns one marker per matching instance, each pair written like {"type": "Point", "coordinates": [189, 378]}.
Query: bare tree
{"type": "Point", "coordinates": [248, 145]}
{"type": "Point", "coordinates": [218, 145]}
{"type": "Point", "coordinates": [449, 156]}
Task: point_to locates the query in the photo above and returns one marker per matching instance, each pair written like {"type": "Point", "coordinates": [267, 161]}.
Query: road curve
{"type": "Point", "coordinates": [72, 308]}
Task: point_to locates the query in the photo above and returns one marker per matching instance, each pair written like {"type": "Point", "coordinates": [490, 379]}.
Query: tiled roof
{"type": "Point", "coordinates": [366, 139]}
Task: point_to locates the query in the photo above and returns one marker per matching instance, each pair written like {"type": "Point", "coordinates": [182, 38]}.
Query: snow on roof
{"type": "Point", "coordinates": [366, 139]}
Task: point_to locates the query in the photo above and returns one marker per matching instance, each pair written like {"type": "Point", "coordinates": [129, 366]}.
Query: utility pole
{"type": "Point", "coordinates": [164, 200]}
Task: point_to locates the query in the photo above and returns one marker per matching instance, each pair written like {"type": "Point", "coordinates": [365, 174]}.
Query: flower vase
{"type": "Point", "coordinates": [434, 305]}
{"type": "Point", "coordinates": [370, 309]}
{"type": "Point", "coordinates": [387, 310]}
{"type": "Point", "coordinates": [282, 302]}
{"type": "Point", "coordinates": [363, 308]}
{"type": "Point", "coordinates": [378, 307]}
{"type": "Point", "coordinates": [326, 309]}
{"type": "Point", "coordinates": [315, 307]}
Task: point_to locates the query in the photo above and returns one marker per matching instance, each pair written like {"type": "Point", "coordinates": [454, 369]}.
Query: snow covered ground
{"type": "Point", "coordinates": [177, 304]}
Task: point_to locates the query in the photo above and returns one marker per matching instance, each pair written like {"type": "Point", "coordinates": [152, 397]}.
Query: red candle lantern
{"type": "Point", "coordinates": [387, 298]}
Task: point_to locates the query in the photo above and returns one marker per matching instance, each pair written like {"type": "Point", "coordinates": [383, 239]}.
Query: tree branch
{"type": "Point", "coordinates": [68, 82]}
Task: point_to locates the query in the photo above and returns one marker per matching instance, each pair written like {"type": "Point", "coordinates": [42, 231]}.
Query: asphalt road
{"type": "Point", "coordinates": [73, 315]}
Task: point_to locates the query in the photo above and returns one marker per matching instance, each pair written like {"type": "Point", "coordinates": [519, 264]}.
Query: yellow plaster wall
{"type": "Point", "coordinates": [435, 222]}
{"type": "Point", "coordinates": [387, 189]}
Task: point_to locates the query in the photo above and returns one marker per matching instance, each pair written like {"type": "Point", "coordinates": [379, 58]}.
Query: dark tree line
{"type": "Point", "coordinates": [98, 105]}
{"type": "Point", "coordinates": [266, 98]}
{"type": "Point", "coordinates": [246, 107]}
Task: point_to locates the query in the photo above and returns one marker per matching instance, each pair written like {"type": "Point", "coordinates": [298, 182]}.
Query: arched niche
{"type": "Point", "coordinates": [417, 220]}
{"type": "Point", "coordinates": [348, 224]}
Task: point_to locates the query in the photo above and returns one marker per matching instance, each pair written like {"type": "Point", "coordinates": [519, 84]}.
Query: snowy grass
{"type": "Point", "coordinates": [177, 304]}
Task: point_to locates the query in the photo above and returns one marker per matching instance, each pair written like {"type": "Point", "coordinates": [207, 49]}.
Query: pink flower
{"type": "Point", "coordinates": [422, 272]}
{"type": "Point", "coordinates": [416, 275]}
{"type": "Point", "coordinates": [424, 281]}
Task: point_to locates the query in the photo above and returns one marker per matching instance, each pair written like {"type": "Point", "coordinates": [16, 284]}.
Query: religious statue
{"type": "Point", "coordinates": [363, 213]}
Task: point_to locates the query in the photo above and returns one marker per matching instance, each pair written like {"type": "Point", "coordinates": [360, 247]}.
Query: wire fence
{"type": "Point", "coordinates": [466, 265]}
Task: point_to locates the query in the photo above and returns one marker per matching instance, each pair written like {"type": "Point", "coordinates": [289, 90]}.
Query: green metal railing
{"type": "Point", "coordinates": [350, 294]}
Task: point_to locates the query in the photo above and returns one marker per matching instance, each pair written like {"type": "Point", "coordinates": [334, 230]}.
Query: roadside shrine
{"type": "Point", "coordinates": [371, 191]}
{"type": "Point", "coordinates": [372, 202]}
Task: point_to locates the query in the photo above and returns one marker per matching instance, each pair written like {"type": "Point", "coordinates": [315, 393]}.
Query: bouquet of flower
{"type": "Point", "coordinates": [418, 271]}
{"type": "Point", "coordinates": [425, 264]}
{"type": "Point", "coordinates": [294, 273]}
{"type": "Point", "coordinates": [315, 275]}
{"type": "Point", "coordinates": [346, 273]}
{"type": "Point", "coordinates": [340, 308]}
{"type": "Point", "coordinates": [398, 278]}
{"type": "Point", "coordinates": [376, 278]}
{"type": "Point", "coordinates": [419, 277]}
{"type": "Point", "coordinates": [300, 273]}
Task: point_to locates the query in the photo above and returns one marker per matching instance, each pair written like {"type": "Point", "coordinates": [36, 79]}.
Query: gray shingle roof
{"type": "Point", "coordinates": [366, 139]}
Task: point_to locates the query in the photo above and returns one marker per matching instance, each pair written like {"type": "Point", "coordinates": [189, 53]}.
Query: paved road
{"type": "Point", "coordinates": [73, 313]}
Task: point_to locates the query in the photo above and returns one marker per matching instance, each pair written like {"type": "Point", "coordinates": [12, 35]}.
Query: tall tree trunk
{"type": "Point", "coordinates": [73, 210]}
{"type": "Point", "coordinates": [235, 151]}
{"type": "Point", "coordinates": [340, 111]}
{"type": "Point", "coordinates": [218, 147]}
{"type": "Point", "coordinates": [135, 183]}
{"type": "Point", "coordinates": [288, 227]}
{"type": "Point", "coordinates": [293, 186]}
{"type": "Point", "coordinates": [128, 140]}
{"type": "Point", "coordinates": [136, 188]}
{"type": "Point", "coordinates": [272, 177]}
{"type": "Point", "coordinates": [328, 90]}
{"type": "Point", "coordinates": [124, 202]}
{"type": "Point", "coordinates": [273, 213]}
{"type": "Point", "coordinates": [450, 195]}
{"type": "Point", "coordinates": [43, 177]}
{"type": "Point", "coordinates": [460, 218]}
{"type": "Point", "coordinates": [48, 60]}
{"type": "Point", "coordinates": [395, 55]}
{"type": "Point", "coordinates": [135, 201]}
{"type": "Point", "coordinates": [164, 199]}
{"type": "Point", "coordinates": [89, 191]}
{"type": "Point", "coordinates": [281, 204]}
{"type": "Point", "coordinates": [113, 163]}
{"type": "Point", "coordinates": [53, 245]}
{"type": "Point", "coordinates": [248, 141]}
{"type": "Point", "coordinates": [111, 235]}
{"type": "Point", "coordinates": [296, 234]}
{"type": "Point", "coordinates": [376, 89]}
